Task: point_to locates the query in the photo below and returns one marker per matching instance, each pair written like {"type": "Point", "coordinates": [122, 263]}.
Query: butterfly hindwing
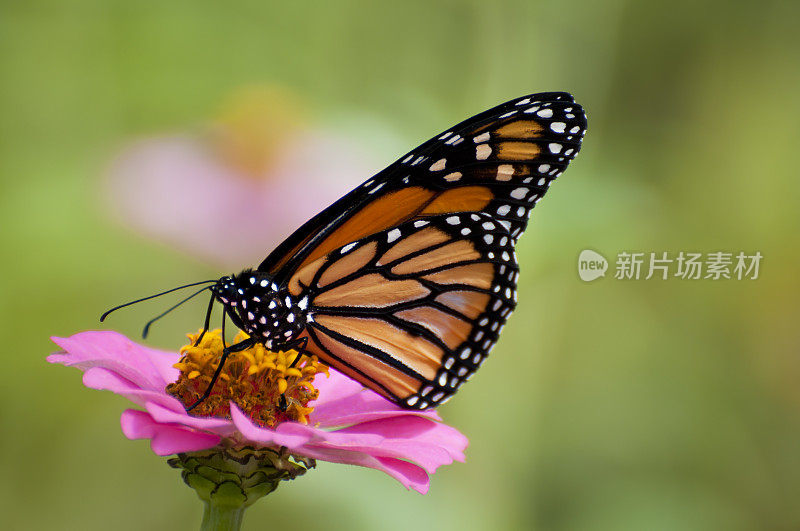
{"type": "Point", "coordinates": [412, 311]}
{"type": "Point", "coordinates": [500, 162]}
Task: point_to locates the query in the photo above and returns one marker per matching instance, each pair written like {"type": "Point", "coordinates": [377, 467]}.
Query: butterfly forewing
{"type": "Point", "coordinates": [500, 163]}
{"type": "Point", "coordinates": [412, 311]}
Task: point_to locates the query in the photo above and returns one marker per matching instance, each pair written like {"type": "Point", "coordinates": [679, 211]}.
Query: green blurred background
{"type": "Point", "coordinates": [614, 405]}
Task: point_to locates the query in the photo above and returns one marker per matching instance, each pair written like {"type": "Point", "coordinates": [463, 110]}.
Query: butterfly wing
{"type": "Point", "coordinates": [500, 162]}
{"type": "Point", "coordinates": [411, 312]}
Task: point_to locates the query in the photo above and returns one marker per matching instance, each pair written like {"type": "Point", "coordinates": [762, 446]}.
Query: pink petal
{"type": "Point", "coordinates": [409, 474]}
{"type": "Point", "coordinates": [164, 415]}
{"type": "Point", "coordinates": [420, 430]}
{"type": "Point", "coordinates": [343, 401]}
{"type": "Point", "coordinates": [107, 380]}
{"type": "Point", "coordinates": [289, 434]}
{"type": "Point", "coordinates": [145, 367]}
{"type": "Point", "coordinates": [409, 438]}
{"type": "Point", "coordinates": [166, 439]}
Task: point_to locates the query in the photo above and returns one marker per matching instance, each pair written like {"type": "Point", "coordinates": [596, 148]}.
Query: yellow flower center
{"type": "Point", "coordinates": [263, 384]}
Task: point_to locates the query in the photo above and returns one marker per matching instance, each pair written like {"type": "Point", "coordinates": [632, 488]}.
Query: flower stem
{"type": "Point", "coordinates": [229, 480]}
{"type": "Point", "coordinates": [222, 517]}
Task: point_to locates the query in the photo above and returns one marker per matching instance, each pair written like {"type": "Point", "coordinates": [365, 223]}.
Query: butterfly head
{"type": "Point", "coordinates": [228, 291]}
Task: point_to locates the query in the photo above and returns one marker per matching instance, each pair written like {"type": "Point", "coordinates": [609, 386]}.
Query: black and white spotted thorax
{"type": "Point", "coordinates": [263, 309]}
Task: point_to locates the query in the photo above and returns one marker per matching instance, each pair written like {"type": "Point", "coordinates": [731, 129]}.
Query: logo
{"type": "Point", "coordinates": [591, 265]}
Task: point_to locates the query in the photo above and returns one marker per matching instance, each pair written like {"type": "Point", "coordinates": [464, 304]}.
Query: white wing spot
{"type": "Point", "coordinates": [393, 235]}
{"type": "Point", "coordinates": [453, 220]}
{"type": "Point", "coordinates": [438, 165]}
{"type": "Point", "coordinates": [482, 151]}
{"type": "Point", "coordinates": [519, 193]}
{"type": "Point", "coordinates": [421, 223]}
{"type": "Point", "coordinates": [554, 147]}
{"type": "Point", "coordinates": [482, 138]}
{"type": "Point", "coordinates": [504, 172]}
{"type": "Point", "coordinates": [452, 177]}
{"type": "Point", "coordinates": [503, 210]}
{"type": "Point", "coordinates": [348, 247]}
{"type": "Point", "coordinates": [488, 238]}
{"type": "Point", "coordinates": [509, 113]}
{"type": "Point", "coordinates": [545, 113]}
{"type": "Point", "coordinates": [558, 127]}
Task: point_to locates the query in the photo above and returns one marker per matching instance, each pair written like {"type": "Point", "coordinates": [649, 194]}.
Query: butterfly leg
{"type": "Point", "coordinates": [242, 345]}
{"type": "Point", "coordinates": [300, 346]}
{"type": "Point", "coordinates": [207, 322]}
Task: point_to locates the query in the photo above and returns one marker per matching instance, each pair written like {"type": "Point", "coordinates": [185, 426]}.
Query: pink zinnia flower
{"type": "Point", "coordinates": [348, 424]}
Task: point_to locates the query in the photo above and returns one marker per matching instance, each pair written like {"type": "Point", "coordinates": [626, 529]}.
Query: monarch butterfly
{"type": "Point", "coordinates": [405, 283]}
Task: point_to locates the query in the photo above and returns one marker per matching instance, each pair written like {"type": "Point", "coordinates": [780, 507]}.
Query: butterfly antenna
{"type": "Point", "coordinates": [103, 317]}
{"type": "Point", "coordinates": [146, 329]}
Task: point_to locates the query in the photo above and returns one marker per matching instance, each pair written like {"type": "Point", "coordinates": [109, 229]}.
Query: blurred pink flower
{"type": "Point", "coordinates": [231, 195]}
{"type": "Point", "coordinates": [349, 424]}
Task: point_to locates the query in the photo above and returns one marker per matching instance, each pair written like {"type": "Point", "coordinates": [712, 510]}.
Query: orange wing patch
{"type": "Point", "coordinates": [464, 199]}
{"type": "Point", "coordinates": [348, 264]}
{"type": "Point", "coordinates": [468, 303]}
{"type": "Point", "coordinates": [305, 276]}
{"type": "Point", "coordinates": [452, 253]}
{"type": "Point", "coordinates": [519, 129]}
{"type": "Point", "coordinates": [427, 237]}
{"type": "Point", "coordinates": [385, 212]}
{"type": "Point", "coordinates": [477, 275]}
{"type": "Point", "coordinates": [413, 351]}
{"type": "Point", "coordinates": [371, 370]}
{"type": "Point", "coordinates": [372, 291]}
{"type": "Point", "coordinates": [452, 330]}
{"type": "Point", "coordinates": [517, 150]}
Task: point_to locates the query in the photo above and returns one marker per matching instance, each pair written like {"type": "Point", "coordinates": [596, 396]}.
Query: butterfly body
{"type": "Point", "coordinates": [263, 309]}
